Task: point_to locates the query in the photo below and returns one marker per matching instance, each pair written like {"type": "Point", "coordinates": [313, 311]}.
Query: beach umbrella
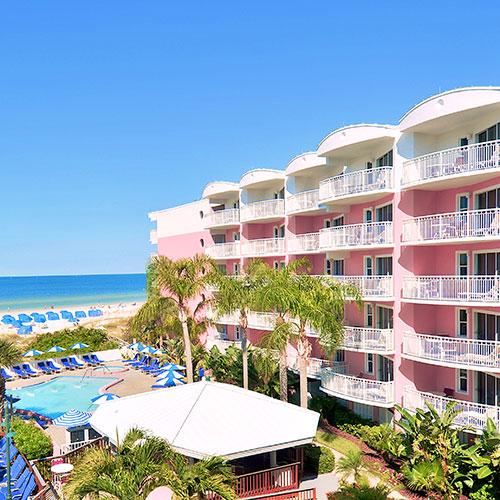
{"type": "Point", "coordinates": [31, 353]}
{"type": "Point", "coordinates": [137, 346]}
{"type": "Point", "coordinates": [56, 348]}
{"type": "Point", "coordinates": [167, 382]}
{"type": "Point", "coordinates": [12, 399]}
{"type": "Point", "coordinates": [39, 318]}
{"type": "Point", "coordinates": [172, 366]}
{"type": "Point", "coordinates": [52, 316]}
{"type": "Point", "coordinates": [8, 319]}
{"type": "Point", "coordinates": [24, 318]}
{"type": "Point", "coordinates": [148, 350]}
{"type": "Point", "coordinates": [79, 345]}
{"type": "Point", "coordinates": [80, 314]}
{"type": "Point", "coordinates": [104, 398]}
{"type": "Point", "coordinates": [170, 374]}
{"type": "Point", "coordinates": [24, 330]}
{"type": "Point", "coordinates": [72, 418]}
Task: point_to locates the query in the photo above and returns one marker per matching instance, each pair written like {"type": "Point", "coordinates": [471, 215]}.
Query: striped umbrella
{"type": "Point", "coordinates": [172, 366]}
{"type": "Point", "coordinates": [79, 345]}
{"type": "Point", "coordinates": [31, 353]}
{"type": "Point", "coordinates": [72, 418]}
{"type": "Point", "coordinates": [168, 382]}
{"type": "Point", "coordinates": [170, 374]}
{"type": "Point", "coordinates": [56, 348]}
{"type": "Point", "coordinates": [136, 346]}
{"type": "Point", "coordinates": [148, 350]}
{"type": "Point", "coordinates": [103, 398]}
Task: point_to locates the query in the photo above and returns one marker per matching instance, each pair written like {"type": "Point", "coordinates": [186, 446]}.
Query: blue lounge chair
{"type": "Point", "coordinates": [65, 362]}
{"type": "Point", "coordinates": [50, 364]}
{"type": "Point", "coordinates": [5, 375]}
{"type": "Point", "coordinates": [20, 372]}
{"type": "Point", "coordinates": [155, 365]}
{"type": "Point", "coordinates": [88, 360]}
{"type": "Point", "coordinates": [42, 366]}
{"type": "Point", "coordinates": [75, 362]}
{"type": "Point", "coordinates": [135, 358]}
{"type": "Point", "coordinates": [17, 467]}
{"type": "Point", "coordinates": [96, 359]}
{"type": "Point", "coordinates": [140, 362]}
{"type": "Point", "coordinates": [27, 368]}
{"type": "Point", "coordinates": [145, 362]}
{"type": "Point", "coordinates": [29, 488]}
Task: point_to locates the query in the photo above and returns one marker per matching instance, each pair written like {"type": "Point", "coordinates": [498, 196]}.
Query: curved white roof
{"type": "Point", "coordinates": [209, 419]}
{"type": "Point", "coordinates": [260, 176]}
{"type": "Point", "coordinates": [304, 161]}
{"type": "Point", "coordinates": [441, 110]}
{"type": "Point", "coordinates": [348, 140]}
{"type": "Point", "coordinates": [220, 188]}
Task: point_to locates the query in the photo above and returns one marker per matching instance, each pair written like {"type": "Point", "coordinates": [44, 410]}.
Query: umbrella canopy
{"type": "Point", "coordinates": [39, 318]}
{"type": "Point", "coordinates": [103, 398]}
{"type": "Point", "coordinates": [166, 382]}
{"type": "Point", "coordinates": [24, 318]}
{"type": "Point", "coordinates": [8, 319]}
{"type": "Point", "coordinates": [79, 345]}
{"type": "Point", "coordinates": [72, 418]}
{"type": "Point", "coordinates": [56, 348]}
{"type": "Point", "coordinates": [25, 330]}
{"type": "Point", "coordinates": [137, 346]}
{"type": "Point", "coordinates": [172, 366]}
{"type": "Point", "coordinates": [170, 374]}
{"type": "Point", "coordinates": [80, 314]}
{"type": "Point", "coordinates": [52, 316]}
{"type": "Point", "coordinates": [12, 399]}
{"type": "Point", "coordinates": [148, 350]}
{"type": "Point", "coordinates": [31, 353]}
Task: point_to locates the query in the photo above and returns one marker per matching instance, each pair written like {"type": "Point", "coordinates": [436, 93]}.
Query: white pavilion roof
{"type": "Point", "coordinates": [208, 419]}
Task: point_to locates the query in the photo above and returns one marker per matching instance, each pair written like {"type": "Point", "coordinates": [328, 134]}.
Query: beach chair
{"type": "Point", "coordinates": [29, 370]}
{"type": "Point", "coordinates": [65, 362]}
{"type": "Point", "coordinates": [141, 361]}
{"type": "Point", "coordinates": [5, 375]}
{"type": "Point", "coordinates": [45, 369]}
{"type": "Point", "coordinates": [50, 364]}
{"type": "Point", "coordinates": [155, 365]}
{"type": "Point", "coordinates": [133, 360]}
{"type": "Point", "coordinates": [88, 360]}
{"type": "Point", "coordinates": [74, 361]}
{"type": "Point", "coordinates": [20, 372]}
{"type": "Point", "coordinates": [94, 358]}
{"type": "Point", "coordinates": [17, 468]}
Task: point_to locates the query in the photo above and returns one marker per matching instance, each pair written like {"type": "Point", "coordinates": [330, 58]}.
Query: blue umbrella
{"type": "Point", "coordinates": [79, 345]}
{"type": "Point", "coordinates": [168, 383]}
{"type": "Point", "coordinates": [12, 399]}
{"type": "Point", "coordinates": [148, 350]}
{"type": "Point", "coordinates": [80, 314]}
{"type": "Point", "coordinates": [39, 318]}
{"type": "Point", "coordinates": [137, 346]}
{"type": "Point", "coordinates": [171, 366]}
{"type": "Point", "coordinates": [72, 418]}
{"type": "Point", "coordinates": [8, 319]}
{"type": "Point", "coordinates": [31, 353]}
{"type": "Point", "coordinates": [56, 348]}
{"type": "Point", "coordinates": [52, 316]}
{"type": "Point", "coordinates": [24, 318]}
{"type": "Point", "coordinates": [170, 374]}
{"type": "Point", "coordinates": [25, 330]}
{"type": "Point", "coordinates": [103, 398]}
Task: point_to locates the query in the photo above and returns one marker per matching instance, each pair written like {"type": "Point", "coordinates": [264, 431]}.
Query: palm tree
{"type": "Point", "coordinates": [142, 463]}
{"type": "Point", "coordinates": [351, 465]}
{"type": "Point", "coordinates": [181, 283]}
{"type": "Point", "coordinates": [238, 295]}
{"type": "Point", "coordinates": [9, 355]}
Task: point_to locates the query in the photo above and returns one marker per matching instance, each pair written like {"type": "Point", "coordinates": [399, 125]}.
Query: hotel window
{"type": "Point", "coordinates": [338, 221]}
{"type": "Point", "coordinates": [327, 223]}
{"type": "Point", "coordinates": [368, 266]}
{"type": "Point", "coordinates": [222, 331]}
{"type": "Point", "coordinates": [384, 214]}
{"type": "Point", "coordinates": [384, 317]}
{"type": "Point", "coordinates": [328, 267]}
{"type": "Point", "coordinates": [383, 266]}
{"type": "Point", "coordinates": [462, 380]}
{"type": "Point", "coordinates": [236, 236]}
{"type": "Point", "coordinates": [282, 231]}
{"type": "Point", "coordinates": [280, 195]}
{"type": "Point", "coordinates": [487, 326]}
{"type": "Point", "coordinates": [222, 268]}
{"type": "Point", "coordinates": [463, 264]}
{"type": "Point", "coordinates": [236, 269]}
{"type": "Point", "coordinates": [369, 315]}
{"type": "Point", "coordinates": [490, 134]}
{"type": "Point", "coordinates": [462, 323]}
{"type": "Point", "coordinates": [282, 264]}
{"type": "Point", "coordinates": [368, 215]}
{"type": "Point", "coordinates": [488, 199]}
{"type": "Point", "coordinates": [276, 265]}
{"type": "Point", "coordinates": [237, 333]}
{"type": "Point", "coordinates": [463, 202]}
{"type": "Point", "coordinates": [369, 363]}
{"type": "Point", "coordinates": [385, 160]}
{"type": "Point", "coordinates": [337, 267]}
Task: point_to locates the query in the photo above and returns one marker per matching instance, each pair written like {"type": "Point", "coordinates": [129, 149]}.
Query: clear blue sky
{"type": "Point", "coordinates": [110, 109]}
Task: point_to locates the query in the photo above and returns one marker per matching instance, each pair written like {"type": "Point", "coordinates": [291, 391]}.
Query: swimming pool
{"type": "Point", "coordinates": [60, 394]}
{"type": "Point", "coordinates": [109, 369]}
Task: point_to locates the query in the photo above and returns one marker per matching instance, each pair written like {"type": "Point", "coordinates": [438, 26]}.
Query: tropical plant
{"type": "Point", "coordinates": [142, 463]}
{"type": "Point", "coordinates": [362, 491]}
{"type": "Point", "coordinates": [425, 476]}
{"type": "Point", "coordinates": [9, 355]}
{"type": "Point", "coordinates": [319, 459]}
{"type": "Point", "coordinates": [351, 465]}
{"type": "Point", "coordinates": [266, 369]}
{"type": "Point", "coordinates": [30, 439]}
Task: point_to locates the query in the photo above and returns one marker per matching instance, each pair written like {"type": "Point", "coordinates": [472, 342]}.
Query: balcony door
{"type": "Point", "coordinates": [385, 369]}
{"type": "Point", "coordinates": [488, 389]}
{"type": "Point", "coordinates": [384, 214]}
{"type": "Point", "coordinates": [383, 266]}
{"type": "Point", "coordinates": [487, 326]}
{"type": "Point", "coordinates": [219, 238]}
{"type": "Point", "coordinates": [384, 317]}
{"type": "Point", "coordinates": [488, 199]}
{"type": "Point", "coordinates": [487, 264]}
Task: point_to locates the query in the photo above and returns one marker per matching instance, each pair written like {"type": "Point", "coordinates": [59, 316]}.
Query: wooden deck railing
{"type": "Point", "coordinates": [309, 494]}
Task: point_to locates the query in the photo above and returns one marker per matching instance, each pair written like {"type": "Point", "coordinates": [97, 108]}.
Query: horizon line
{"type": "Point", "coordinates": [64, 275]}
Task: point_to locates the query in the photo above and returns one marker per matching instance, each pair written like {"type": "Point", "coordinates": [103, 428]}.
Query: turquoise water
{"type": "Point", "coordinates": [57, 396]}
{"type": "Point", "coordinates": [107, 369]}
{"type": "Point", "coordinates": [41, 292]}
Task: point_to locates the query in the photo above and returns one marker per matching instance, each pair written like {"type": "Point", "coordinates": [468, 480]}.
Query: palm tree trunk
{"type": "Point", "coordinates": [187, 346]}
{"type": "Point", "coordinates": [244, 349]}
{"type": "Point", "coordinates": [303, 350]}
{"type": "Point", "coordinates": [283, 376]}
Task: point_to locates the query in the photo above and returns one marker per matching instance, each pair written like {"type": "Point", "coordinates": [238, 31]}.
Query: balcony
{"type": "Point", "coordinates": [453, 167]}
{"type": "Point", "coordinates": [371, 287]}
{"type": "Point", "coordinates": [222, 218]}
{"type": "Point", "coordinates": [473, 415]}
{"type": "Point", "coordinates": [370, 340]}
{"type": "Point", "coordinates": [306, 201]}
{"type": "Point", "coordinates": [452, 290]}
{"type": "Point", "coordinates": [362, 185]}
{"type": "Point", "coordinates": [153, 237]}
{"type": "Point", "coordinates": [454, 352]}
{"type": "Point", "coordinates": [316, 366]}
{"type": "Point", "coordinates": [356, 236]}
{"type": "Point", "coordinates": [263, 210]}
{"type": "Point", "coordinates": [224, 250]}
{"type": "Point", "coordinates": [222, 343]}
{"type": "Point", "coordinates": [454, 227]}
{"type": "Point", "coordinates": [359, 390]}
{"type": "Point", "coordinates": [304, 243]}
{"type": "Point", "coordinates": [263, 247]}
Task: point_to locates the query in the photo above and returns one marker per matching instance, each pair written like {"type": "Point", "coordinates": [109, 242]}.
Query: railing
{"type": "Point", "coordinates": [153, 237]}
{"type": "Point", "coordinates": [71, 447]}
{"type": "Point", "coordinates": [222, 217]}
{"type": "Point", "coordinates": [357, 389]}
{"type": "Point", "coordinates": [262, 210]}
{"type": "Point", "coordinates": [368, 339]}
{"type": "Point", "coordinates": [451, 162]}
{"type": "Point", "coordinates": [453, 226]}
{"type": "Point", "coordinates": [477, 289]}
{"type": "Point", "coordinates": [453, 351]}
{"type": "Point", "coordinates": [355, 183]}
{"type": "Point", "coordinates": [265, 246]}
{"type": "Point", "coordinates": [304, 243]}
{"type": "Point", "coordinates": [224, 343]}
{"type": "Point", "coordinates": [307, 200]}
{"type": "Point", "coordinates": [224, 250]}
{"type": "Point", "coordinates": [369, 286]}
{"type": "Point", "coordinates": [356, 235]}
{"type": "Point", "coordinates": [309, 494]}
{"type": "Point", "coordinates": [315, 366]}
{"type": "Point", "coordinates": [473, 415]}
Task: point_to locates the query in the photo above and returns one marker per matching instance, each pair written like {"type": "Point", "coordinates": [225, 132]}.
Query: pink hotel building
{"type": "Point", "coordinates": [410, 213]}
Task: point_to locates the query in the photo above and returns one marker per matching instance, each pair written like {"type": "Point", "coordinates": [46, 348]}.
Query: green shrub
{"type": "Point", "coordinates": [30, 440]}
{"type": "Point", "coordinates": [486, 492]}
{"type": "Point", "coordinates": [335, 413]}
{"type": "Point", "coordinates": [361, 491]}
{"type": "Point", "coordinates": [319, 459]}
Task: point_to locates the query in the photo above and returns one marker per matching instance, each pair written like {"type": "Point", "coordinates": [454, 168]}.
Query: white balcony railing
{"type": "Point", "coordinates": [357, 389]}
{"type": "Point", "coordinates": [302, 202]}
{"type": "Point", "coordinates": [378, 340]}
{"type": "Point", "coordinates": [316, 365]}
{"type": "Point", "coordinates": [370, 286]}
{"type": "Point", "coordinates": [262, 210]}
{"type": "Point", "coordinates": [356, 235]}
{"type": "Point", "coordinates": [355, 183]}
{"type": "Point", "coordinates": [461, 289]}
{"type": "Point", "coordinates": [263, 247]}
{"type": "Point", "coordinates": [303, 243]}
{"type": "Point", "coordinates": [223, 343]}
{"type": "Point", "coordinates": [474, 158]}
{"type": "Point", "coordinates": [229, 250]}
{"type": "Point", "coordinates": [452, 351]}
{"type": "Point", "coordinates": [475, 224]}
{"type": "Point", "coordinates": [473, 415]}
{"type": "Point", "coordinates": [153, 237]}
{"type": "Point", "coordinates": [226, 217]}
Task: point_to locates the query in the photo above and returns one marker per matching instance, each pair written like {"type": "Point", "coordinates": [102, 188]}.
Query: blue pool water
{"type": "Point", "coordinates": [56, 396]}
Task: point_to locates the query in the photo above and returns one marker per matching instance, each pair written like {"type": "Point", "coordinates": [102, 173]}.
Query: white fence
{"type": "Point", "coordinates": [262, 247]}
{"type": "Point", "coordinates": [356, 235]}
{"type": "Point", "coordinates": [452, 162]}
{"type": "Point", "coordinates": [315, 366]}
{"type": "Point", "coordinates": [370, 286]}
{"type": "Point", "coordinates": [453, 226]}
{"type": "Point", "coordinates": [357, 389]}
{"type": "Point", "coordinates": [469, 353]}
{"type": "Point", "coordinates": [368, 339]}
{"type": "Point", "coordinates": [473, 415]}
{"type": "Point", "coordinates": [222, 217]}
{"type": "Point", "coordinates": [307, 200]}
{"type": "Point", "coordinates": [476, 289]}
{"type": "Point", "coordinates": [224, 250]}
{"type": "Point", "coordinates": [303, 243]}
{"type": "Point", "coordinates": [262, 210]}
{"type": "Point", "coordinates": [354, 183]}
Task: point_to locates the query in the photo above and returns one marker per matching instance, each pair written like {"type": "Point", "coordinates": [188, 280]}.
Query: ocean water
{"type": "Point", "coordinates": [35, 292]}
